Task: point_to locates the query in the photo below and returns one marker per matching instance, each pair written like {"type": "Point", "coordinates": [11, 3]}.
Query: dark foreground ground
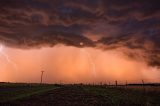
{"type": "Point", "coordinates": [78, 95]}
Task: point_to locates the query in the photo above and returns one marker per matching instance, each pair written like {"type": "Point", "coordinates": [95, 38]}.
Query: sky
{"type": "Point", "coordinates": [80, 41]}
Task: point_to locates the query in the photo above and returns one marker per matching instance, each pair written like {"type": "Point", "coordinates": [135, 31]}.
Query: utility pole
{"type": "Point", "coordinates": [42, 76]}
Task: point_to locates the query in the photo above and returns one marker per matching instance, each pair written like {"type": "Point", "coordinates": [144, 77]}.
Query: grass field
{"type": "Point", "coordinates": [14, 91]}
{"type": "Point", "coordinates": [78, 95]}
{"type": "Point", "coordinates": [128, 96]}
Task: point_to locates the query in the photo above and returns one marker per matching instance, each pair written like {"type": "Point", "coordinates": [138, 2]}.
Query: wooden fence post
{"type": "Point", "coordinates": [143, 86]}
{"type": "Point", "coordinates": [116, 82]}
{"type": "Point", "coordinates": [126, 83]}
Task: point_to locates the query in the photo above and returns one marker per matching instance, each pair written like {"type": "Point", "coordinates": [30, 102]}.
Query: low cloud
{"type": "Point", "coordinates": [129, 24]}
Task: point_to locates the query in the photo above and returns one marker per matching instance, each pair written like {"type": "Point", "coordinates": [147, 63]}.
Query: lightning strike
{"type": "Point", "coordinates": [2, 53]}
{"type": "Point", "coordinates": [90, 59]}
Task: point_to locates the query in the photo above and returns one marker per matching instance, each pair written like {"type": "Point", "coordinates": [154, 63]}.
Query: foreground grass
{"type": "Point", "coordinates": [114, 96]}
{"type": "Point", "coordinates": [12, 91]}
{"type": "Point", "coordinates": [125, 97]}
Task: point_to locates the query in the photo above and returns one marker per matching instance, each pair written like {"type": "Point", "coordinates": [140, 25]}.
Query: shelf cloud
{"type": "Point", "coordinates": [130, 26]}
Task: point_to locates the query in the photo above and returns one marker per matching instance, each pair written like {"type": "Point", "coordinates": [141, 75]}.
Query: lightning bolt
{"type": "Point", "coordinates": [90, 59]}
{"type": "Point", "coordinates": [2, 53]}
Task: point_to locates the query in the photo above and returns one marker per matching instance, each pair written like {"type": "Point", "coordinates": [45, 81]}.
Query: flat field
{"type": "Point", "coordinates": [78, 95]}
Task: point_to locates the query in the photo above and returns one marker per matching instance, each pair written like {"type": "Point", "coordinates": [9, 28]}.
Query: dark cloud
{"type": "Point", "coordinates": [133, 24]}
{"type": "Point", "coordinates": [37, 36]}
{"type": "Point", "coordinates": [139, 46]}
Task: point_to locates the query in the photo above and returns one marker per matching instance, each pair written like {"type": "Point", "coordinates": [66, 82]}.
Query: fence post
{"type": "Point", "coordinates": [126, 83]}
{"type": "Point", "coordinates": [143, 86]}
{"type": "Point", "coordinates": [116, 82]}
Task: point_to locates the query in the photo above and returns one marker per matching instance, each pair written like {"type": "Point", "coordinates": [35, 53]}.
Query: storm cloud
{"type": "Point", "coordinates": [113, 24]}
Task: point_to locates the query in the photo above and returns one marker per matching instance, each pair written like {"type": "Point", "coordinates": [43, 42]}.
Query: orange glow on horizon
{"type": "Point", "coordinates": [69, 64]}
